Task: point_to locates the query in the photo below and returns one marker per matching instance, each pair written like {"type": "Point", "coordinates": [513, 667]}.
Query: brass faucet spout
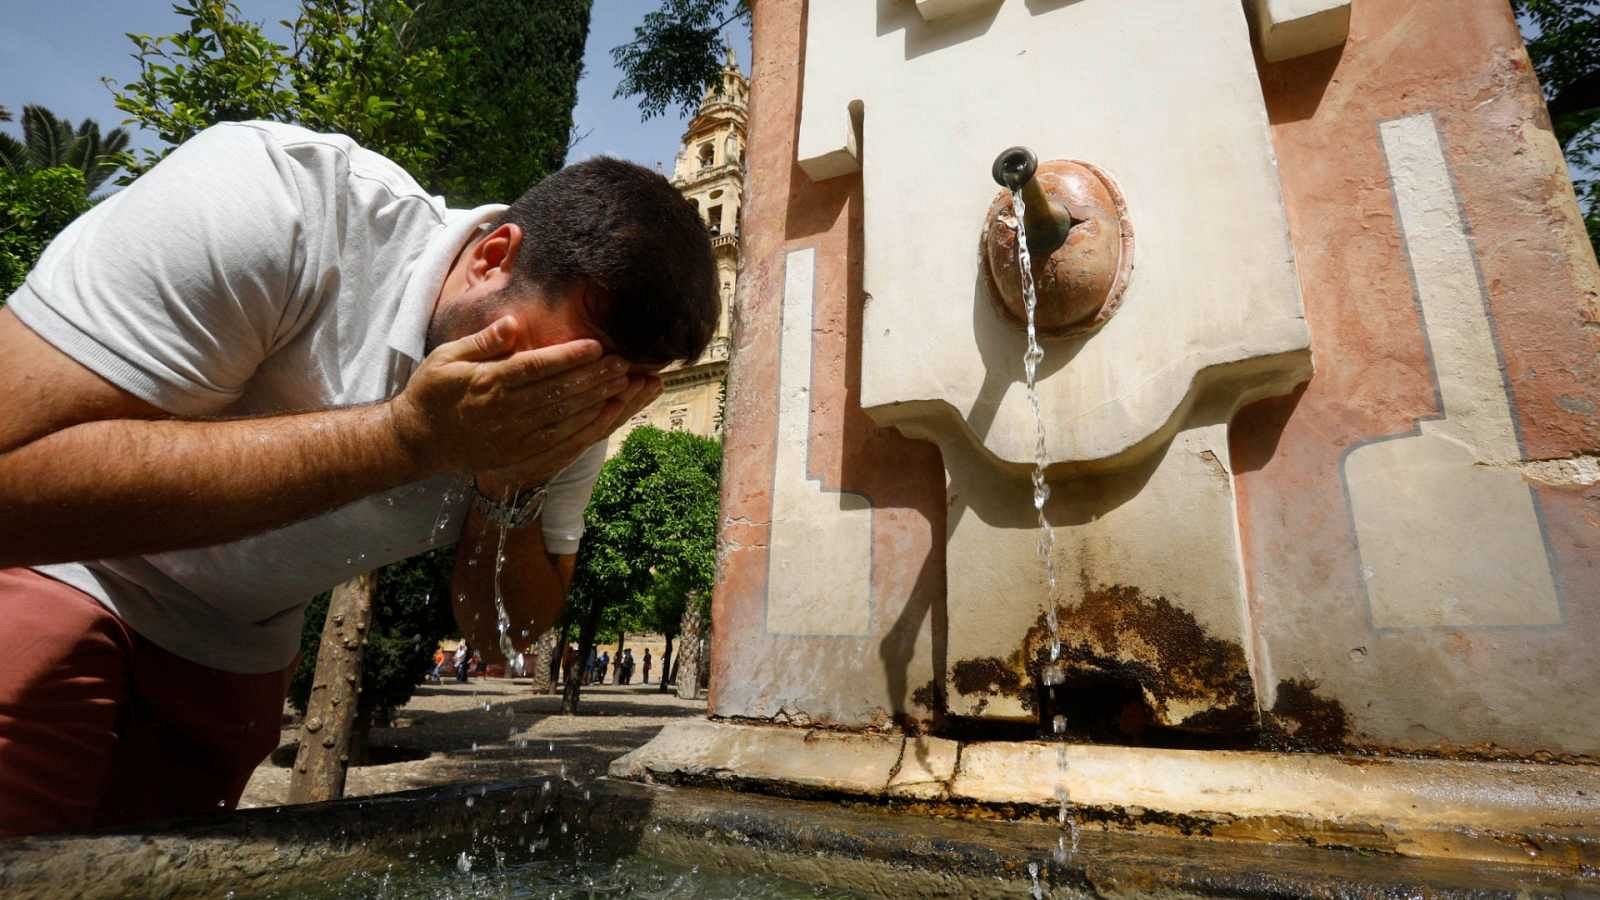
{"type": "Point", "coordinates": [1046, 221]}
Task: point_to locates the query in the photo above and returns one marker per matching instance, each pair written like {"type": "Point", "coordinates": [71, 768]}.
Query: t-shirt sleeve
{"type": "Point", "coordinates": [178, 286]}
{"type": "Point", "coordinates": [567, 497]}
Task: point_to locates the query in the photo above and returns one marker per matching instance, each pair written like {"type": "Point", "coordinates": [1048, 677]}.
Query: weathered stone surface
{"type": "Point", "coordinates": [1404, 554]}
{"type": "Point", "coordinates": [1416, 807]}
{"type": "Point", "coordinates": [798, 643]}
{"type": "Point", "coordinates": [830, 761]}
{"type": "Point", "coordinates": [926, 766]}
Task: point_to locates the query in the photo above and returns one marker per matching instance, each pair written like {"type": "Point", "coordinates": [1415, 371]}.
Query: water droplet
{"type": "Point", "coordinates": [471, 800]}
{"type": "Point", "coordinates": [464, 863]}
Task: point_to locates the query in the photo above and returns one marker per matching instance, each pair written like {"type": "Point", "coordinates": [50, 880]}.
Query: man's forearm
{"type": "Point", "coordinates": [118, 487]}
{"type": "Point", "coordinates": [532, 585]}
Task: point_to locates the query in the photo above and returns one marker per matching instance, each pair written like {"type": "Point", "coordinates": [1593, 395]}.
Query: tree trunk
{"type": "Point", "coordinates": [561, 653]}
{"type": "Point", "coordinates": [325, 738]}
{"type": "Point", "coordinates": [666, 666]}
{"type": "Point", "coordinates": [690, 649]}
{"type": "Point", "coordinates": [542, 674]}
{"type": "Point", "coordinates": [591, 624]}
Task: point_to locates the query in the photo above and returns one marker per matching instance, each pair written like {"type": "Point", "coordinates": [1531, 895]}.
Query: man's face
{"type": "Point", "coordinates": [480, 289]}
{"type": "Point", "coordinates": [542, 320]}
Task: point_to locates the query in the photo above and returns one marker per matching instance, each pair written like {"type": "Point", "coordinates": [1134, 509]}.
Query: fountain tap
{"type": "Point", "coordinates": [1046, 221]}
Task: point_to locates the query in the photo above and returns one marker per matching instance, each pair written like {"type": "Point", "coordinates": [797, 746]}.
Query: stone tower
{"type": "Point", "coordinates": [710, 172]}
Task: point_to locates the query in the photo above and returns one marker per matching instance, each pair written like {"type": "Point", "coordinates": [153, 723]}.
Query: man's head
{"type": "Point", "coordinates": [602, 249]}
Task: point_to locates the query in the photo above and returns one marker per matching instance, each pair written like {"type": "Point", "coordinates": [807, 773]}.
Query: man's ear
{"type": "Point", "coordinates": [494, 256]}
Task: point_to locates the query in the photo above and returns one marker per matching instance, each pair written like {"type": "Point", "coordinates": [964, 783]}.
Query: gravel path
{"type": "Point", "coordinates": [489, 729]}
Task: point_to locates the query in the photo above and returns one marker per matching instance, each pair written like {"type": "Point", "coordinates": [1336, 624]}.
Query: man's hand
{"type": "Point", "coordinates": [642, 390]}
{"type": "Point", "coordinates": [472, 408]}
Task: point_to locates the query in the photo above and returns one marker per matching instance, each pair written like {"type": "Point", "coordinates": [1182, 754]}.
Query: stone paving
{"type": "Point", "coordinates": [491, 729]}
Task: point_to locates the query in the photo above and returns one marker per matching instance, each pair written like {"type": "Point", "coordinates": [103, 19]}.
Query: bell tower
{"type": "Point", "coordinates": [709, 171]}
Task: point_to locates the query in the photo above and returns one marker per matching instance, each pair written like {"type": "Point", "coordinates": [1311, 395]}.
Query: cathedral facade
{"type": "Point", "coordinates": [709, 171]}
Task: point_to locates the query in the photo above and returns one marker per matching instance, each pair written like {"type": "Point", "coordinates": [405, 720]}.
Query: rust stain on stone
{"type": "Point", "coordinates": [1301, 720]}
{"type": "Point", "coordinates": [1188, 677]}
{"type": "Point", "coordinates": [986, 675]}
{"type": "Point", "coordinates": [1181, 676]}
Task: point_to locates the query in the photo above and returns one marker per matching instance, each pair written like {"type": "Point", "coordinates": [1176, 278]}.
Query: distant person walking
{"type": "Point", "coordinates": [438, 665]}
{"type": "Point", "coordinates": [627, 666]}
{"type": "Point", "coordinates": [461, 662]}
{"type": "Point", "coordinates": [646, 678]}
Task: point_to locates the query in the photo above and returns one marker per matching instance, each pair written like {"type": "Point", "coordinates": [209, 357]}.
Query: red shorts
{"type": "Point", "coordinates": [100, 727]}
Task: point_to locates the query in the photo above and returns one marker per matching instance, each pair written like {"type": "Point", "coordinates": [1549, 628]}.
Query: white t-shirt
{"type": "Point", "coordinates": [264, 269]}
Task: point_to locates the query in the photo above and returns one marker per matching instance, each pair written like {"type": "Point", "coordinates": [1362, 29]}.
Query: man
{"type": "Point", "coordinates": [270, 364]}
{"type": "Point", "coordinates": [462, 656]}
{"type": "Point", "coordinates": [646, 679]}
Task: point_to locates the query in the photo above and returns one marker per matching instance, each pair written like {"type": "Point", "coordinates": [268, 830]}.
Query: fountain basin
{"type": "Point", "coordinates": [410, 844]}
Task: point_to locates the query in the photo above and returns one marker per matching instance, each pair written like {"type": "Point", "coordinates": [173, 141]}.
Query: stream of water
{"type": "Point", "coordinates": [1051, 674]}
{"type": "Point", "coordinates": [514, 661]}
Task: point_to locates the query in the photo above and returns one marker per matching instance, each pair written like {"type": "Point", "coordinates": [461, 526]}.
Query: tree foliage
{"type": "Point", "coordinates": [34, 206]}
{"type": "Point", "coordinates": [676, 54]}
{"type": "Point", "coordinates": [522, 84]}
{"type": "Point", "coordinates": [1563, 38]}
{"type": "Point", "coordinates": [650, 532]}
{"type": "Point", "coordinates": [473, 99]}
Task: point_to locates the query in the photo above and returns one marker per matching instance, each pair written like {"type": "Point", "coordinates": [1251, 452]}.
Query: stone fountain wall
{"type": "Point", "coordinates": [1396, 551]}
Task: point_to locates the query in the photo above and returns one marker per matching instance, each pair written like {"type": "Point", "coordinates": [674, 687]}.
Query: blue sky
{"type": "Point", "coordinates": [55, 52]}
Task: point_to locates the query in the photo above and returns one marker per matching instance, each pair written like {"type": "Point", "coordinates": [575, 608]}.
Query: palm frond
{"type": "Point", "coordinates": [13, 155]}
{"type": "Point", "coordinates": [48, 137]}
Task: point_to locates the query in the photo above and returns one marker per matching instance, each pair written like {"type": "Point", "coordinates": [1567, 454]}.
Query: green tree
{"type": "Point", "coordinates": [473, 98]}
{"type": "Point", "coordinates": [355, 68]}
{"type": "Point", "coordinates": [49, 141]}
{"type": "Point", "coordinates": [34, 206]}
{"type": "Point", "coordinates": [1563, 38]}
{"type": "Point", "coordinates": [650, 535]}
{"type": "Point", "coordinates": [521, 88]}
{"type": "Point", "coordinates": [676, 54]}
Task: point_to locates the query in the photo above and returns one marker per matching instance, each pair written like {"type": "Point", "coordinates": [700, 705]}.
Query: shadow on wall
{"type": "Point", "coordinates": [1300, 83]}
{"type": "Point", "coordinates": [926, 37]}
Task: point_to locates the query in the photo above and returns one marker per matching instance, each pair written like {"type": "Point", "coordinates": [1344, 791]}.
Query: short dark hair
{"type": "Point", "coordinates": [628, 232]}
